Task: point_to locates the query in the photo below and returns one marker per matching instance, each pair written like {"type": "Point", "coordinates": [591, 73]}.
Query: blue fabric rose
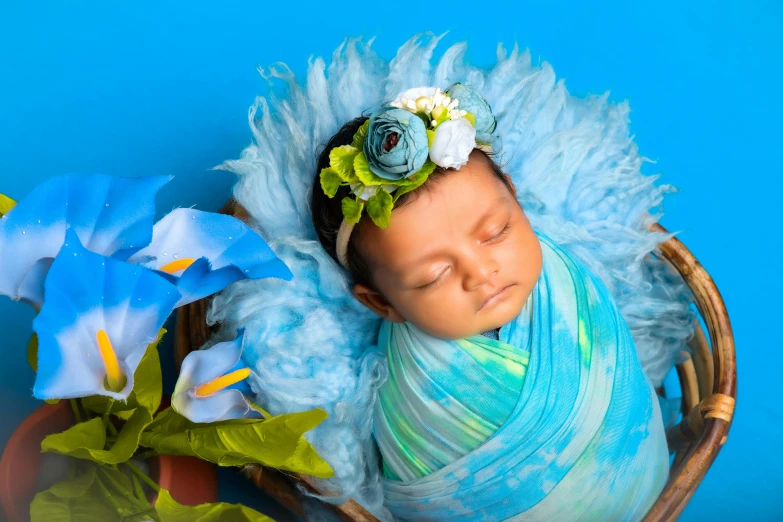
{"type": "Point", "coordinates": [396, 144]}
{"type": "Point", "coordinates": [471, 101]}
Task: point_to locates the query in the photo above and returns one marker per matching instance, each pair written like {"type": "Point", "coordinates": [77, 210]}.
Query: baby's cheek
{"type": "Point", "coordinates": [525, 256]}
{"type": "Point", "coordinates": [456, 314]}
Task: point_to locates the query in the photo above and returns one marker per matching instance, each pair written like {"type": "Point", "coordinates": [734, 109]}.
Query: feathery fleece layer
{"type": "Point", "coordinates": [577, 171]}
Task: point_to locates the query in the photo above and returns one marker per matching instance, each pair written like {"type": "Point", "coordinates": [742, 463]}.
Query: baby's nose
{"type": "Point", "coordinates": [479, 271]}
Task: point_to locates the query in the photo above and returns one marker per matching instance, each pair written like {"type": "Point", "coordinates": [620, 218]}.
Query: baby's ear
{"type": "Point", "coordinates": [377, 303]}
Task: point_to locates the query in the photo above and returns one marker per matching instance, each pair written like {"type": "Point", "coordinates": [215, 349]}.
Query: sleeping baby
{"type": "Point", "coordinates": [514, 387]}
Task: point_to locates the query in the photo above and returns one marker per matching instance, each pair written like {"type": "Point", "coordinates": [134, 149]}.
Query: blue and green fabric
{"type": "Point", "coordinates": [554, 421]}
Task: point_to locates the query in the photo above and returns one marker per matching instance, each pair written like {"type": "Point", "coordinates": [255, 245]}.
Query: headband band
{"type": "Point", "coordinates": [343, 237]}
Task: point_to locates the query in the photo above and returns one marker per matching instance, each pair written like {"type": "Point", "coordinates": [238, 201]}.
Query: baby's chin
{"type": "Point", "coordinates": [503, 312]}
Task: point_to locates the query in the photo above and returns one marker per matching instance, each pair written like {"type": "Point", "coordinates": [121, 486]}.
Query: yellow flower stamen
{"type": "Point", "coordinates": [176, 266]}
{"type": "Point", "coordinates": [224, 381]}
{"type": "Point", "coordinates": [110, 362]}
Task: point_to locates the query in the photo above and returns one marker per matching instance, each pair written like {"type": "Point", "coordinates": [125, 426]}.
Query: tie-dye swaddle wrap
{"type": "Point", "coordinates": [555, 421]}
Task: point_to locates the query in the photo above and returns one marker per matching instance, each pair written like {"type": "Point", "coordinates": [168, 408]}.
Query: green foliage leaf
{"type": "Point", "coordinates": [170, 511]}
{"type": "Point", "coordinates": [259, 409]}
{"type": "Point", "coordinates": [471, 118]}
{"type": "Point", "coordinates": [32, 352]}
{"type": "Point", "coordinates": [352, 210]}
{"type": "Point", "coordinates": [148, 378]}
{"type": "Point", "coordinates": [341, 161]}
{"type": "Point", "coordinates": [361, 133]}
{"type": "Point", "coordinates": [379, 208]}
{"type": "Point", "coordinates": [147, 387]}
{"type": "Point", "coordinates": [66, 501]}
{"type": "Point", "coordinates": [168, 434]}
{"type": "Point", "coordinates": [88, 434]}
{"type": "Point", "coordinates": [276, 442]}
{"type": "Point", "coordinates": [95, 494]}
{"type": "Point", "coordinates": [87, 440]}
{"type": "Point", "coordinates": [364, 174]}
{"type": "Point", "coordinates": [330, 181]}
{"type": "Point", "coordinates": [6, 204]}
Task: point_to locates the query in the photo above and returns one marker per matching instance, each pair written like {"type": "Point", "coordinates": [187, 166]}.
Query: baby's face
{"type": "Point", "coordinates": [459, 259]}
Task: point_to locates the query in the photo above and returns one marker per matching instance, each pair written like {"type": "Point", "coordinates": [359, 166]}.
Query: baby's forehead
{"type": "Point", "coordinates": [432, 228]}
{"type": "Point", "coordinates": [450, 205]}
{"type": "Point", "coordinates": [472, 184]}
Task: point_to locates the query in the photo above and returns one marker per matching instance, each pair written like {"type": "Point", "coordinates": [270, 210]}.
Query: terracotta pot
{"type": "Point", "coordinates": [191, 481]}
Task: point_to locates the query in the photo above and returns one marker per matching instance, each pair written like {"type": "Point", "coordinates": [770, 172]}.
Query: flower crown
{"type": "Point", "coordinates": [399, 146]}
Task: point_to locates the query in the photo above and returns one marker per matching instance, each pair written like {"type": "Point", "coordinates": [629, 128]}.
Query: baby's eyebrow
{"type": "Point", "coordinates": [492, 209]}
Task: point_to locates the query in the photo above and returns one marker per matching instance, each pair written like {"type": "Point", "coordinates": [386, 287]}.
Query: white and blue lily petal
{"type": "Point", "coordinates": [212, 384]}
{"type": "Point", "coordinates": [112, 216]}
{"type": "Point", "coordinates": [202, 253]}
{"type": "Point", "coordinates": [98, 318]}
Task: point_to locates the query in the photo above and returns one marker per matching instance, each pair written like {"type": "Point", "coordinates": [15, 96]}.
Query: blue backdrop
{"type": "Point", "coordinates": [132, 88]}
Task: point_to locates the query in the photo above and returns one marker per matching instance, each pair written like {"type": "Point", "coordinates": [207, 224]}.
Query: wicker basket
{"type": "Point", "coordinates": [707, 378]}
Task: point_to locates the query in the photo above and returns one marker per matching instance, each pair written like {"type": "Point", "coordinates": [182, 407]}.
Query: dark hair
{"type": "Point", "coordinates": [328, 215]}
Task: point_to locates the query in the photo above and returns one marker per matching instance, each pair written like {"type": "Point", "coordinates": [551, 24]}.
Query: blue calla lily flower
{"type": "Point", "coordinates": [112, 216]}
{"type": "Point", "coordinates": [212, 384]}
{"type": "Point", "coordinates": [203, 252]}
{"type": "Point", "coordinates": [98, 318]}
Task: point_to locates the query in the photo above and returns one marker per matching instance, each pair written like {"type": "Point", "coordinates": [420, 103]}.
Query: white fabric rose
{"type": "Point", "coordinates": [453, 143]}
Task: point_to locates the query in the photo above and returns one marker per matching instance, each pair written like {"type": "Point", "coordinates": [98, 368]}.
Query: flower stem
{"type": "Point", "coordinates": [75, 408]}
{"type": "Point", "coordinates": [132, 516]}
{"type": "Point", "coordinates": [109, 496]}
{"type": "Point", "coordinates": [139, 503]}
{"type": "Point", "coordinates": [138, 490]}
{"type": "Point", "coordinates": [144, 455]}
{"type": "Point", "coordinates": [151, 483]}
{"type": "Point", "coordinates": [107, 421]}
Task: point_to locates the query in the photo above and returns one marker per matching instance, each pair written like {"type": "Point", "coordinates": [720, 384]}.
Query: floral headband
{"type": "Point", "coordinates": [399, 146]}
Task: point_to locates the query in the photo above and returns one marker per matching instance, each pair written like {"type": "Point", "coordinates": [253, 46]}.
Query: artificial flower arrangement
{"type": "Point", "coordinates": [82, 249]}
{"type": "Point", "coordinates": [402, 143]}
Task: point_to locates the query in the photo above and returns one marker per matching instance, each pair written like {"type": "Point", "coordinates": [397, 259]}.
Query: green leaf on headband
{"type": "Point", "coordinates": [367, 177]}
{"type": "Point", "coordinates": [6, 204]}
{"type": "Point", "coordinates": [430, 137]}
{"type": "Point", "coordinates": [330, 181]}
{"type": "Point", "coordinates": [361, 133]}
{"type": "Point", "coordinates": [379, 208]}
{"type": "Point", "coordinates": [352, 210]}
{"type": "Point", "coordinates": [416, 181]}
{"type": "Point", "coordinates": [341, 161]}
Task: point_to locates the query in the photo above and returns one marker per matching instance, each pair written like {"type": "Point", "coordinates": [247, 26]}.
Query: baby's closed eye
{"type": "Point", "coordinates": [441, 275]}
{"type": "Point", "coordinates": [497, 236]}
